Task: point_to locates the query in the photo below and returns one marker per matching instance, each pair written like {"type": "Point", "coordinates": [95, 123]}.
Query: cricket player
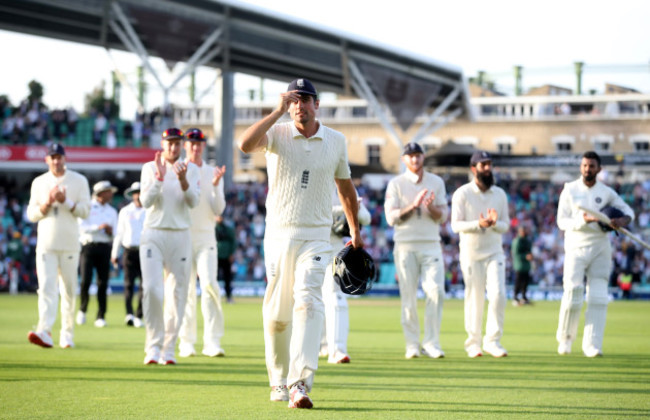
{"type": "Point", "coordinates": [479, 214]}
{"type": "Point", "coordinates": [58, 197]}
{"type": "Point", "coordinates": [305, 162]}
{"type": "Point", "coordinates": [588, 253]}
{"type": "Point", "coordinates": [204, 254]}
{"type": "Point", "coordinates": [170, 188]}
{"type": "Point", "coordinates": [334, 341]}
{"type": "Point", "coordinates": [416, 205]}
{"type": "Point", "coordinates": [130, 223]}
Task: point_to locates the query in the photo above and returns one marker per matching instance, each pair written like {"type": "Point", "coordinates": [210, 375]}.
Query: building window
{"type": "Point", "coordinates": [504, 144]}
{"type": "Point", "coordinates": [563, 147]}
{"type": "Point", "coordinates": [430, 143]}
{"type": "Point", "coordinates": [601, 146]}
{"type": "Point", "coordinates": [641, 146]}
{"type": "Point", "coordinates": [374, 155]}
{"type": "Point", "coordinates": [245, 160]}
{"type": "Point", "coordinates": [563, 143]}
{"type": "Point", "coordinates": [505, 148]}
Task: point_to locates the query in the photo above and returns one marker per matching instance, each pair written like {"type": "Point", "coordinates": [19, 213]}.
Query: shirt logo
{"type": "Point", "coordinates": [599, 200]}
{"type": "Point", "coordinates": [149, 253]}
{"type": "Point", "coordinates": [305, 179]}
{"type": "Point", "coordinates": [317, 258]}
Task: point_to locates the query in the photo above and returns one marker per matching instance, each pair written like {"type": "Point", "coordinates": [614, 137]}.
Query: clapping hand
{"type": "Point", "coordinates": [161, 170]}
{"type": "Point", "coordinates": [490, 220]}
{"type": "Point", "coordinates": [219, 172]}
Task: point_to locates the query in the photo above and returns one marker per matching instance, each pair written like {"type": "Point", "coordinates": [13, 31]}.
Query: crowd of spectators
{"type": "Point", "coordinates": [533, 204]}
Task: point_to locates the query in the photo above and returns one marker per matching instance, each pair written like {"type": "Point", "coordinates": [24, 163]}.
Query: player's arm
{"type": "Point", "coordinates": [254, 138]}
{"type": "Point", "coordinates": [458, 216]}
{"type": "Point", "coordinates": [348, 197]}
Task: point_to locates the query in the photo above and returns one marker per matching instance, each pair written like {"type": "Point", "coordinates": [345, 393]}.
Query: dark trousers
{"type": "Point", "coordinates": [225, 273]}
{"type": "Point", "coordinates": [95, 256]}
{"type": "Point", "coordinates": [131, 264]}
{"type": "Point", "coordinates": [522, 278]}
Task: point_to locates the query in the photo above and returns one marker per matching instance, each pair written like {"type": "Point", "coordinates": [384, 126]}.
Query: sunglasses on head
{"type": "Point", "coordinates": [194, 134]}
{"type": "Point", "coordinates": [172, 134]}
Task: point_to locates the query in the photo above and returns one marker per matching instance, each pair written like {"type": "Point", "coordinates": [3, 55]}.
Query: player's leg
{"type": "Point", "coordinates": [277, 311]}
{"type": "Point", "coordinates": [211, 309]}
{"type": "Point", "coordinates": [474, 278]}
{"type": "Point", "coordinates": [68, 268]}
{"type": "Point", "coordinates": [151, 264]}
{"type": "Point", "coordinates": [433, 284]}
{"type": "Point", "coordinates": [407, 267]}
{"type": "Point", "coordinates": [496, 293]}
{"type": "Point", "coordinates": [308, 311]}
{"type": "Point", "coordinates": [103, 267]}
{"type": "Point", "coordinates": [597, 300]}
{"type": "Point", "coordinates": [337, 323]}
{"type": "Point", "coordinates": [86, 271]}
{"type": "Point", "coordinates": [129, 282]}
{"type": "Point", "coordinates": [178, 266]}
{"type": "Point", "coordinates": [187, 331]}
{"type": "Point", "coordinates": [575, 262]}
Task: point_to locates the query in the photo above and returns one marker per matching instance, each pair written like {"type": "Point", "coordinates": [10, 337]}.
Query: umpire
{"type": "Point", "coordinates": [96, 236]}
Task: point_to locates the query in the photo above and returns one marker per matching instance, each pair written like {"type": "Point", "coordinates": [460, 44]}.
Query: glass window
{"type": "Point", "coordinates": [374, 155]}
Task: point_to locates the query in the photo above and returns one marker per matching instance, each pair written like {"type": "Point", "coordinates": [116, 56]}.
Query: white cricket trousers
{"type": "Point", "coordinates": [204, 264]}
{"type": "Point", "coordinates": [412, 262]}
{"type": "Point", "coordinates": [596, 263]}
{"type": "Point", "coordinates": [165, 261]}
{"type": "Point", "coordinates": [57, 273]}
{"type": "Point", "coordinates": [293, 308]}
{"type": "Point", "coordinates": [337, 318]}
{"type": "Point", "coordinates": [489, 275]}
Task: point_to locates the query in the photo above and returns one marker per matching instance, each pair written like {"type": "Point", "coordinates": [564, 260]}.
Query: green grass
{"type": "Point", "coordinates": [103, 377]}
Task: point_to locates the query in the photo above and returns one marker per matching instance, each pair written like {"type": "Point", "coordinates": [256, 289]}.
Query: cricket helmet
{"type": "Point", "coordinates": [354, 270]}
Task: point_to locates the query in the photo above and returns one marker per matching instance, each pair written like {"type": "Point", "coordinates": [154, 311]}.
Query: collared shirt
{"type": "Point", "coordinates": [100, 214]}
{"type": "Point", "coordinates": [420, 226]}
{"type": "Point", "coordinates": [58, 229]}
{"type": "Point", "coordinates": [570, 219]}
{"type": "Point", "coordinates": [130, 223]}
{"type": "Point", "coordinates": [467, 203]}
{"type": "Point", "coordinates": [167, 205]}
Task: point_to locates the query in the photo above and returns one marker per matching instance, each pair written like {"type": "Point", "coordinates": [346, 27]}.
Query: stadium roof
{"type": "Point", "coordinates": [247, 39]}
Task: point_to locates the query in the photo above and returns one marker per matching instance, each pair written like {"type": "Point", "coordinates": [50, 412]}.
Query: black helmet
{"type": "Point", "coordinates": [612, 213]}
{"type": "Point", "coordinates": [354, 270]}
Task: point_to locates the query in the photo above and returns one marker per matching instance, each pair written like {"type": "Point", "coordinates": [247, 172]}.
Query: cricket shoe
{"type": "Point", "coordinates": [81, 318]}
{"type": "Point", "coordinates": [65, 341]}
{"type": "Point", "coordinates": [213, 351]}
{"type": "Point", "coordinates": [152, 356]}
{"type": "Point", "coordinates": [495, 349]}
{"type": "Point", "coordinates": [129, 320]}
{"type": "Point", "coordinates": [100, 323]}
{"type": "Point", "coordinates": [186, 350]}
{"type": "Point", "coordinates": [279, 393]}
{"type": "Point", "coordinates": [43, 339]}
{"type": "Point", "coordinates": [137, 322]}
{"type": "Point", "coordinates": [338, 358]}
{"type": "Point", "coordinates": [412, 353]}
{"type": "Point", "coordinates": [564, 348]}
{"type": "Point", "coordinates": [298, 397]}
{"type": "Point", "coordinates": [474, 352]}
{"type": "Point", "coordinates": [592, 351]}
{"type": "Point", "coordinates": [433, 352]}
{"type": "Point", "coordinates": [169, 360]}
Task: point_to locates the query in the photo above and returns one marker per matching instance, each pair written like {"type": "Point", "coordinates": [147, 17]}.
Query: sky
{"type": "Point", "coordinates": [544, 37]}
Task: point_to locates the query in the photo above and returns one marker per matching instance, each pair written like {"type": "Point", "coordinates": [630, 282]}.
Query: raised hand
{"type": "Point", "coordinates": [420, 198]}
{"type": "Point", "coordinates": [490, 220]}
{"type": "Point", "coordinates": [429, 199]}
{"type": "Point", "coordinates": [218, 174]}
{"type": "Point", "coordinates": [160, 165]}
{"type": "Point", "coordinates": [60, 194]}
{"type": "Point", "coordinates": [180, 169]}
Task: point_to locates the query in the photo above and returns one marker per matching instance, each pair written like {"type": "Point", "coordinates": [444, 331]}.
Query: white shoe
{"type": "Point", "coordinates": [495, 349]}
{"type": "Point", "coordinates": [279, 393]}
{"type": "Point", "coordinates": [213, 352]}
{"type": "Point", "coordinates": [66, 343]}
{"type": "Point", "coordinates": [43, 339]}
{"type": "Point", "coordinates": [137, 322]}
{"type": "Point", "coordinates": [474, 352]}
{"type": "Point", "coordinates": [412, 353]}
{"type": "Point", "coordinates": [592, 351]}
{"type": "Point", "coordinates": [169, 360]}
{"type": "Point", "coordinates": [433, 352]}
{"type": "Point", "coordinates": [186, 350]}
{"type": "Point", "coordinates": [298, 397]}
{"type": "Point", "coordinates": [323, 351]}
{"type": "Point", "coordinates": [129, 320]}
{"type": "Point", "coordinates": [100, 323]}
{"type": "Point", "coordinates": [81, 318]}
{"type": "Point", "coordinates": [338, 358]}
{"type": "Point", "coordinates": [152, 356]}
{"type": "Point", "coordinates": [564, 348]}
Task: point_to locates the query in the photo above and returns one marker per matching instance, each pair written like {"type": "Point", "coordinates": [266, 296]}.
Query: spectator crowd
{"type": "Point", "coordinates": [532, 204]}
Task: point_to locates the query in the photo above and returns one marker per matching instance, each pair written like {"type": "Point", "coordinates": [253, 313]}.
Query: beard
{"type": "Point", "coordinates": [589, 177]}
{"type": "Point", "coordinates": [485, 178]}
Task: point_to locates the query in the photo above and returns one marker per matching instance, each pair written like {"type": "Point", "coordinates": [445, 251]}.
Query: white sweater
{"type": "Point", "coordinates": [577, 233]}
{"type": "Point", "coordinates": [58, 229]}
{"type": "Point", "coordinates": [212, 202]}
{"type": "Point", "coordinates": [168, 206]}
{"type": "Point", "coordinates": [301, 176]}
{"type": "Point", "coordinates": [400, 193]}
{"type": "Point", "coordinates": [467, 203]}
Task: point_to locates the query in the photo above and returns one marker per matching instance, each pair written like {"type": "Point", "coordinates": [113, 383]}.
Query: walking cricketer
{"type": "Point", "coordinates": [306, 161]}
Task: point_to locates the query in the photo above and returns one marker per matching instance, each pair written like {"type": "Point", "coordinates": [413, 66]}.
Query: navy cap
{"type": "Point", "coordinates": [55, 149]}
{"type": "Point", "coordinates": [194, 134]}
{"type": "Point", "coordinates": [411, 148]}
{"type": "Point", "coordinates": [303, 86]}
{"type": "Point", "coordinates": [479, 156]}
